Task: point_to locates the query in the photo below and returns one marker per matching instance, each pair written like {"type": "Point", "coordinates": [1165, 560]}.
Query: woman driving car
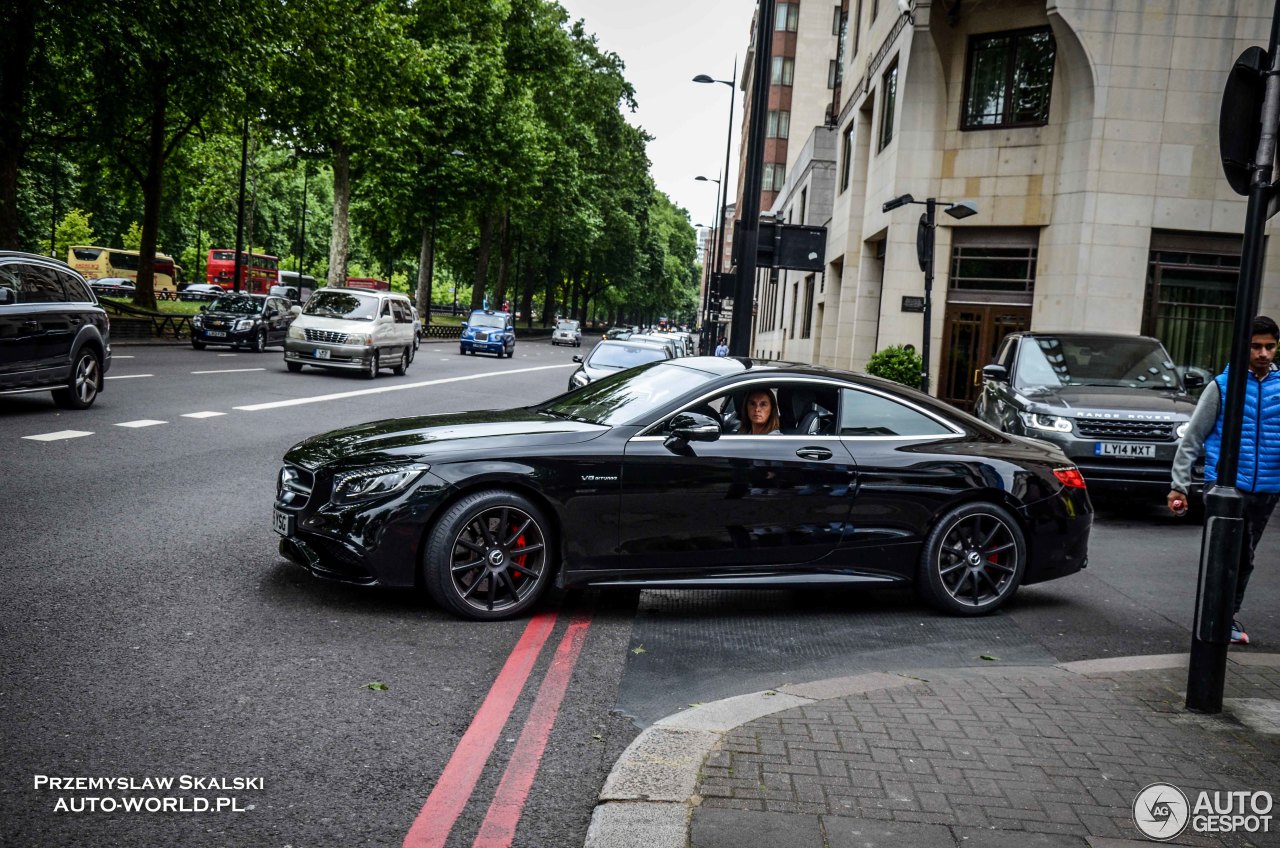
{"type": "Point", "coordinates": [762, 415]}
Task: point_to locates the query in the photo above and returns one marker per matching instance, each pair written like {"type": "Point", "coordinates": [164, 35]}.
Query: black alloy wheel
{"type": "Point", "coordinates": [83, 384]}
{"type": "Point", "coordinates": [487, 557]}
{"type": "Point", "coordinates": [371, 369]}
{"type": "Point", "coordinates": [259, 341]}
{"type": "Point", "coordinates": [973, 560]}
{"type": "Point", "coordinates": [294, 367]}
{"type": "Point", "coordinates": [197, 345]}
{"type": "Point", "coordinates": [403, 365]}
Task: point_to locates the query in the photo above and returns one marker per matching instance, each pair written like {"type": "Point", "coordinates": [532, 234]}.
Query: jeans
{"type": "Point", "coordinates": [1258, 507]}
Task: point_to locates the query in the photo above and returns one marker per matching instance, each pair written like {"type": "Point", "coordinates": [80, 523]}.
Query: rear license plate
{"type": "Point", "coordinates": [282, 522]}
{"type": "Point", "coordinates": [320, 354]}
{"type": "Point", "coordinates": [216, 334]}
{"type": "Point", "coordinates": [1124, 449]}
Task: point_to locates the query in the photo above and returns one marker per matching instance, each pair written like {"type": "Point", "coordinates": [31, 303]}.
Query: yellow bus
{"type": "Point", "coordinates": [96, 263]}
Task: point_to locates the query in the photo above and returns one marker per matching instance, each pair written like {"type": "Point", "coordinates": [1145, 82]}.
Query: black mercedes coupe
{"type": "Point", "coordinates": [645, 478]}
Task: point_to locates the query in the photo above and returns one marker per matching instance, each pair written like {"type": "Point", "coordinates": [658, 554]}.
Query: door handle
{"type": "Point", "coordinates": [30, 325]}
{"type": "Point", "coordinates": [813, 453]}
{"type": "Point", "coordinates": [977, 376]}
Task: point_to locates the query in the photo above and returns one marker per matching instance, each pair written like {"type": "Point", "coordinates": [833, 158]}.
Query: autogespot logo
{"type": "Point", "coordinates": [1160, 811]}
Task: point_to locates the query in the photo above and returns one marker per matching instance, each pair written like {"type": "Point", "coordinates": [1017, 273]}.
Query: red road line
{"type": "Point", "coordinates": [499, 827]}
{"type": "Point", "coordinates": [445, 803]}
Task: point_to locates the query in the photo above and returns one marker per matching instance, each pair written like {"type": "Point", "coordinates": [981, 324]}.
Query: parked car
{"type": "Point", "coordinates": [486, 331]}
{"type": "Point", "coordinates": [567, 332]}
{"type": "Point", "coordinates": [201, 291]}
{"type": "Point", "coordinates": [352, 329]}
{"type": "Point", "coordinates": [252, 320]}
{"type": "Point", "coordinates": [617, 333]}
{"type": "Point", "coordinates": [53, 334]}
{"type": "Point", "coordinates": [1114, 404]}
{"type": "Point", "coordinates": [113, 287]}
{"type": "Point", "coordinates": [417, 328]}
{"type": "Point", "coordinates": [610, 357]}
{"type": "Point", "coordinates": [635, 480]}
{"type": "Point", "coordinates": [665, 340]}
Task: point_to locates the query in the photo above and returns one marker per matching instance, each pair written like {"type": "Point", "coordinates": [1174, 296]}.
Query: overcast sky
{"type": "Point", "coordinates": [665, 44]}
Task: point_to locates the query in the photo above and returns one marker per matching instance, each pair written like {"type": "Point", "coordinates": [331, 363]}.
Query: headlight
{"type": "Point", "coordinates": [358, 339]}
{"type": "Point", "coordinates": [244, 324]}
{"type": "Point", "coordinates": [579, 380]}
{"type": "Point", "coordinates": [1181, 429]}
{"type": "Point", "coordinates": [197, 321]}
{"type": "Point", "coordinates": [365, 483]}
{"type": "Point", "coordinates": [297, 332]}
{"type": "Point", "coordinates": [1040, 421]}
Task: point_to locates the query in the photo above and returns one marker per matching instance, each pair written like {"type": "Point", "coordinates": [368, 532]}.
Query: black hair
{"type": "Point", "coordinates": [1264, 326]}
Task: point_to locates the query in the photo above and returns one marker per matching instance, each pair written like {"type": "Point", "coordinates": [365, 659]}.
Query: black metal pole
{"type": "Point", "coordinates": [748, 237]}
{"type": "Point", "coordinates": [1223, 540]}
{"type": "Point", "coordinates": [302, 230]}
{"type": "Point", "coordinates": [931, 227]}
{"type": "Point", "coordinates": [244, 170]}
{"type": "Point", "coordinates": [724, 197]}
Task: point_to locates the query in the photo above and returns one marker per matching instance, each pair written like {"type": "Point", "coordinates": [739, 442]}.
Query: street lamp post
{"type": "Point", "coordinates": [710, 266]}
{"type": "Point", "coordinates": [724, 192]}
{"type": "Point", "coordinates": [924, 253]}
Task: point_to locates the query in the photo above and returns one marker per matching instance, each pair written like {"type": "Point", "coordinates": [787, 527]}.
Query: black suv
{"type": "Point", "coordinates": [53, 333]}
{"type": "Point", "coordinates": [252, 320]}
{"type": "Point", "coordinates": [1115, 404]}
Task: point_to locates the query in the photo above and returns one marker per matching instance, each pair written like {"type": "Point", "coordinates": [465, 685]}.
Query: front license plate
{"type": "Point", "coordinates": [1124, 449]}
{"type": "Point", "coordinates": [216, 334]}
{"type": "Point", "coordinates": [320, 354]}
{"type": "Point", "coordinates": [282, 522]}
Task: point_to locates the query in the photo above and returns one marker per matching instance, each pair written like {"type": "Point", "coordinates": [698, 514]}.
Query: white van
{"type": "Point", "coordinates": [353, 329]}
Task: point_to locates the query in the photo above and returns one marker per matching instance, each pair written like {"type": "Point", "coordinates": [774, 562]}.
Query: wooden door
{"type": "Point", "coordinates": [970, 335]}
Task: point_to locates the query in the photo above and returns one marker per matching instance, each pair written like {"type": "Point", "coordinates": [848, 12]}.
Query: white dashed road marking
{"type": "Point", "coordinates": [61, 434]}
{"type": "Point", "coordinates": [228, 354]}
{"type": "Point", "coordinates": [229, 371]}
{"type": "Point", "coordinates": [119, 356]}
{"type": "Point", "coordinates": [129, 376]}
{"type": "Point", "coordinates": [202, 414]}
{"type": "Point", "coordinates": [141, 422]}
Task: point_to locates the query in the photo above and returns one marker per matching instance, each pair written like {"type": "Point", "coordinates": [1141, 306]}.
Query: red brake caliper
{"type": "Point", "coordinates": [519, 560]}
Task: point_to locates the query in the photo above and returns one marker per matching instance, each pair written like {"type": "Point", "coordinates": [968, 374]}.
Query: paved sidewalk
{"type": "Point", "coordinates": [1038, 756]}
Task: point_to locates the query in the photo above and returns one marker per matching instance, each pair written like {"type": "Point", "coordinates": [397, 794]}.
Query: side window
{"type": "Point", "coordinates": [76, 291]}
{"type": "Point", "coordinates": [401, 311]}
{"type": "Point", "coordinates": [386, 308]}
{"type": "Point", "coordinates": [39, 285]}
{"type": "Point", "coordinates": [867, 414]}
{"type": "Point", "coordinates": [1006, 353]}
{"type": "Point", "coordinates": [9, 280]}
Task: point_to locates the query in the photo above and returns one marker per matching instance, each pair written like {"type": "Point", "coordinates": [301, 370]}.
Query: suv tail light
{"type": "Point", "coordinates": [1070, 477]}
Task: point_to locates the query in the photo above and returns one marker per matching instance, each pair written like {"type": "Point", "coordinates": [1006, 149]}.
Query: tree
{"type": "Point", "coordinates": [74, 228]}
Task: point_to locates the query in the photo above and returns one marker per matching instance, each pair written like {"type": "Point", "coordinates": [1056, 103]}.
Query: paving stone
{"type": "Point", "coordinates": [858, 833]}
{"type": "Point", "coordinates": [714, 828]}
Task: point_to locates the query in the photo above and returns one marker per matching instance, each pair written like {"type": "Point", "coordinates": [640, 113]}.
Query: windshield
{"type": "Point", "coordinates": [481, 319]}
{"type": "Point", "coordinates": [237, 303]}
{"type": "Point", "coordinates": [1053, 361]}
{"type": "Point", "coordinates": [567, 325]}
{"type": "Point", "coordinates": [626, 396]}
{"type": "Point", "coordinates": [623, 356]}
{"type": "Point", "coordinates": [342, 305]}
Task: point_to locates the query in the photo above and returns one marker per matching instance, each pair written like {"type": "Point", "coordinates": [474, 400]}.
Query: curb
{"type": "Point", "coordinates": [648, 797]}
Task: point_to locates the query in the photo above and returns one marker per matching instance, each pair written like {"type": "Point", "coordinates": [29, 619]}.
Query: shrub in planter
{"type": "Point", "coordinates": [898, 364]}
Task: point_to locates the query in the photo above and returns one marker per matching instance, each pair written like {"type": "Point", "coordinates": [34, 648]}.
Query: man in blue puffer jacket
{"type": "Point", "coordinates": [1258, 474]}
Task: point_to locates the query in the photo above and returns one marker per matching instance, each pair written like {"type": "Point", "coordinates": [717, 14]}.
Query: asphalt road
{"type": "Point", "coordinates": [149, 627]}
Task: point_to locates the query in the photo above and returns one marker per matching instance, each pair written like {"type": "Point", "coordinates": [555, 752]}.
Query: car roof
{"type": "Point", "coordinates": [1080, 334]}
{"type": "Point", "coordinates": [35, 257]}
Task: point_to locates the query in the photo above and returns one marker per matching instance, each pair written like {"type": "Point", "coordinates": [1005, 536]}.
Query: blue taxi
{"type": "Point", "coordinates": [486, 331]}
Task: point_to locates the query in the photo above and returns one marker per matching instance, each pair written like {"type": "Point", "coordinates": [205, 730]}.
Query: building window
{"type": "Point", "coordinates": [787, 17]}
{"type": "Point", "coordinates": [775, 174]}
{"type": "Point", "coordinates": [804, 202]}
{"type": "Point", "coordinates": [779, 124]}
{"type": "Point", "coordinates": [833, 73]}
{"type": "Point", "coordinates": [846, 154]}
{"type": "Point", "coordinates": [1191, 296]}
{"type": "Point", "coordinates": [976, 267]}
{"type": "Point", "coordinates": [837, 21]}
{"type": "Point", "coordinates": [842, 37]}
{"type": "Point", "coordinates": [857, 31]}
{"type": "Point", "coordinates": [888, 99]}
{"type": "Point", "coordinates": [806, 320]}
{"type": "Point", "coordinates": [1008, 80]}
{"type": "Point", "coordinates": [784, 71]}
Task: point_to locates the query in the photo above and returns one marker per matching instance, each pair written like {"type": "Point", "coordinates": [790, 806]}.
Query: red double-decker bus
{"type": "Point", "coordinates": [368, 283]}
{"type": "Point", "coordinates": [258, 271]}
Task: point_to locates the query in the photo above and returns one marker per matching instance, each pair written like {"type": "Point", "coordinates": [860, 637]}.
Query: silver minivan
{"type": "Point", "coordinates": [352, 329]}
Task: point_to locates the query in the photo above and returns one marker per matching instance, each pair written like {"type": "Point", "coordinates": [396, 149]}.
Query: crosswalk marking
{"type": "Point", "coordinates": [61, 434]}
{"type": "Point", "coordinates": [141, 422]}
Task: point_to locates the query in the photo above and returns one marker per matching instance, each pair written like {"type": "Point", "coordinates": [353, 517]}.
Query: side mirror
{"type": "Point", "coordinates": [995, 373]}
{"type": "Point", "coordinates": [694, 427]}
{"type": "Point", "coordinates": [1192, 380]}
{"type": "Point", "coordinates": [577, 358]}
{"type": "Point", "coordinates": [295, 311]}
{"type": "Point", "coordinates": [204, 307]}
{"type": "Point", "coordinates": [463, 325]}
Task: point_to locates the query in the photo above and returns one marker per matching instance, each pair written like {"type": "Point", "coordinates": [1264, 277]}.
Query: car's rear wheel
{"type": "Point", "coordinates": [403, 365]}
{"type": "Point", "coordinates": [295, 367]}
{"type": "Point", "coordinates": [488, 557]}
{"type": "Point", "coordinates": [197, 345]}
{"type": "Point", "coordinates": [371, 369]}
{"type": "Point", "coordinates": [973, 560]}
{"type": "Point", "coordinates": [83, 383]}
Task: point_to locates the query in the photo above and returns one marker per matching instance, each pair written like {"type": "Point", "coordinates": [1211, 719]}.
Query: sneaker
{"type": "Point", "coordinates": [1238, 636]}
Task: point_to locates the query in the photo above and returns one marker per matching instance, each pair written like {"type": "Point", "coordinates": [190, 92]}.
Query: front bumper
{"type": "Point", "coordinates": [231, 337]}
{"type": "Point", "coordinates": [339, 355]}
{"type": "Point", "coordinates": [487, 346]}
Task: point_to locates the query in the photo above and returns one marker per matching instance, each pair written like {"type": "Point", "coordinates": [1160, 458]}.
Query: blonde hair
{"type": "Point", "coordinates": [774, 422]}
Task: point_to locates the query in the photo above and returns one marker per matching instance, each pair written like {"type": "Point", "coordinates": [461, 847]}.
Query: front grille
{"type": "Point", "coordinates": [482, 337]}
{"type": "Point", "coordinates": [331, 336]}
{"type": "Point", "coordinates": [1133, 431]}
{"type": "Point", "coordinates": [293, 486]}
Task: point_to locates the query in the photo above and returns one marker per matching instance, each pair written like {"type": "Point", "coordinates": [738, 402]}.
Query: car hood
{"type": "Point", "coordinates": [1110, 400]}
{"type": "Point", "coordinates": [324, 322]}
{"type": "Point", "coordinates": [393, 439]}
{"type": "Point", "coordinates": [230, 316]}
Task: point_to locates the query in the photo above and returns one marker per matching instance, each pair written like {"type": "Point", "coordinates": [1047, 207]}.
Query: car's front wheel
{"type": "Point", "coordinates": [83, 384]}
{"type": "Point", "coordinates": [371, 369]}
{"type": "Point", "coordinates": [488, 557]}
{"type": "Point", "coordinates": [293, 367]}
{"type": "Point", "coordinates": [197, 345]}
{"type": "Point", "coordinates": [973, 560]}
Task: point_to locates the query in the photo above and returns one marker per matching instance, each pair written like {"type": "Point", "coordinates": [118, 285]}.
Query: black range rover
{"type": "Point", "coordinates": [1115, 404]}
{"type": "Point", "coordinates": [53, 334]}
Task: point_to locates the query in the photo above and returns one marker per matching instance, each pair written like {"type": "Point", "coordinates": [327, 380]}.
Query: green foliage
{"type": "Point", "coordinates": [76, 227]}
{"type": "Point", "coordinates": [132, 237]}
{"type": "Point", "coordinates": [898, 364]}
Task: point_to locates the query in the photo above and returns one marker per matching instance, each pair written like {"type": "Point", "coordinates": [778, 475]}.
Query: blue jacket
{"type": "Point", "coordinates": [1259, 468]}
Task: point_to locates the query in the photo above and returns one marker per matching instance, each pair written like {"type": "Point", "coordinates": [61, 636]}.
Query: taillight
{"type": "Point", "coordinates": [1069, 477]}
